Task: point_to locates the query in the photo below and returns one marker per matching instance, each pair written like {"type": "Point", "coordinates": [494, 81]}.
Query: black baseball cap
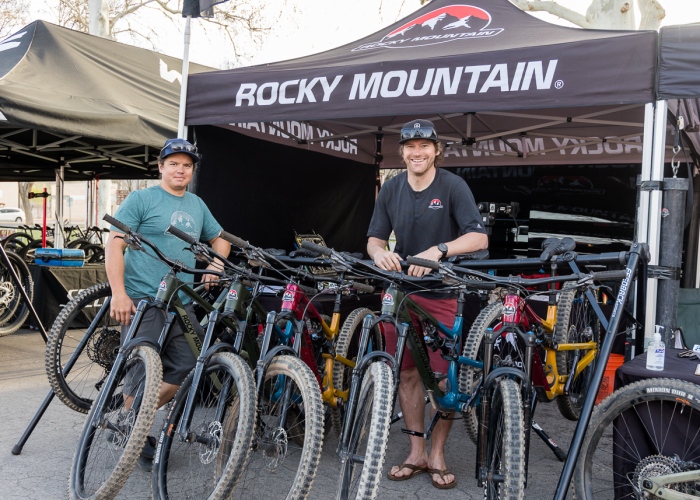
{"type": "Point", "coordinates": [173, 146]}
{"type": "Point", "coordinates": [418, 129]}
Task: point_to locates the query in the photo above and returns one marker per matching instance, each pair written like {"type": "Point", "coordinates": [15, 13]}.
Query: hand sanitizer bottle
{"type": "Point", "coordinates": [656, 352]}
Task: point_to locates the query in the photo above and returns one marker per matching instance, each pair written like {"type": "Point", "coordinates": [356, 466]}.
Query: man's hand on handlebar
{"type": "Point", "coordinates": [389, 261]}
{"type": "Point", "coordinates": [207, 278]}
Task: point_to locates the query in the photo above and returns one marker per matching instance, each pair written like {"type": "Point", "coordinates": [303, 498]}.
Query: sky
{"type": "Point", "coordinates": [303, 27]}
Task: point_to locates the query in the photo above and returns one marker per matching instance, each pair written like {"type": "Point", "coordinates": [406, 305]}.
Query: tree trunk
{"type": "Point", "coordinates": [99, 18]}
{"type": "Point", "coordinates": [24, 190]}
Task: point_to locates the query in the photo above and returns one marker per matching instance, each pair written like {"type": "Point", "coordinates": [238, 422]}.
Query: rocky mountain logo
{"type": "Point", "coordinates": [447, 24]}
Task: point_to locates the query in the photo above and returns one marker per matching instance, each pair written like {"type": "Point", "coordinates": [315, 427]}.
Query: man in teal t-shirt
{"type": "Point", "coordinates": [134, 275]}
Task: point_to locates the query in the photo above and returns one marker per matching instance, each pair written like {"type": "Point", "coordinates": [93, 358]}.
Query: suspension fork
{"type": "Point", "coordinates": [485, 405]}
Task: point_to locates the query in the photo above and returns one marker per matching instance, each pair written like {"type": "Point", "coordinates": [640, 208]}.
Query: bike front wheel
{"type": "Point", "coordinates": [362, 470]}
{"type": "Point", "coordinates": [84, 332]}
{"type": "Point", "coordinates": [208, 462]}
{"type": "Point", "coordinates": [645, 429]}
{"type": "Point", "coordinates": [576, 322]}
{"type": "Point", "coordinates": [347, 346]}
{"type": "Point", "coordinates": [470, 376]}
{"type": "Point", "coordinates": [116, 427]}
{"type": "Point", "coordinates": [288, 435]}
{"type": "Point", "coordinates": [504, 463]}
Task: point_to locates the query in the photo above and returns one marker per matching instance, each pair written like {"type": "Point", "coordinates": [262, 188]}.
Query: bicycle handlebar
{"type": "Point", "coordinates": [417, 261]}
{"type": "Point", "coordinates": [118, 224]}
{"type": "Point", "coordinates": [235, 240]}
{"type": "Point", "coordinates": [182, 235]}
{"type": "Point", "coordinates": [316, 248]}
{"type": "Point", "coordinates": [175, 264]}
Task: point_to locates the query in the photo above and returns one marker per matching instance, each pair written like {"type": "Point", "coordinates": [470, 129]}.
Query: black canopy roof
{"type": "Point", "coordinates": [486, 71]}
{"type": "Point", "coordinates": [99, 106]}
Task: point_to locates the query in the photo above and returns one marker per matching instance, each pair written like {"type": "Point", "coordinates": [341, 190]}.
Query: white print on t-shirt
{"type": "Point", "coordinates": [184, 222]}
{"type": "Point", "coordinates": [435, 204]}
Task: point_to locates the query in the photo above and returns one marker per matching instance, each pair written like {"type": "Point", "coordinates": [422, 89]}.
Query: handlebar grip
{"type": "Point", "coordinates": [235, 240]}
{"type": "Point", "coordinates": [181, 234]}
{"type": "Point", "coordinates": [362, 287]}
{"type": "Point", "coordinates": [316, 248]}
{"type": "Point", "coordinates": [609, 275]}
{"type": "Point", "coordinates": [118, 224]}
{"type": "Point", "coordinates": [430, 264]}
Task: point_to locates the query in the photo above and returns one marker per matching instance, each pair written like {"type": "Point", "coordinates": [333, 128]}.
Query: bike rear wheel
{"type": "Point", "coordinates": [288, 435]}
{"type": "Point", "coordinates": [645, 429]}
{"type": "Point", "coordinates": [362, 471]}
{"type": "Point", "coordinates": [576, 322]}
{"type": "Point", "coordinates": [115, 431]}
{"type": "Point", "coordinates": [209, 462]}
{"type": "Point", "coordinates": [346, 346]}
{"type": "Point", "coordinates": [96, 348]}
{"type": "Point", "coordinates": [505, 449]}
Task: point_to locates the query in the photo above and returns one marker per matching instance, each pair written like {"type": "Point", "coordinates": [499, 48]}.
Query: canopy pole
{"type": "Point", "coordinates": [181, 130]}
{"type": "Point", "coordinates": [58, 209]}
{"type": "Point", "coordinates": [654, 214]}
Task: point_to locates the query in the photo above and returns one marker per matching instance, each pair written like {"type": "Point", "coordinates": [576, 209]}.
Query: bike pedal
{"type": "Point", "coordinates": [413, 433]}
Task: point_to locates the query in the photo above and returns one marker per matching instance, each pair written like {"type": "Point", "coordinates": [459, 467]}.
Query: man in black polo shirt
{"type": "Point", "coordinates": [433, 215]}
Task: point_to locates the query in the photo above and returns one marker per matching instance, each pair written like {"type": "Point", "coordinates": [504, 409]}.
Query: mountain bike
{"type": "Point", "coordinates": [295, 366]}
{"type": "Point", "coordinates": [504, 337]}
{"type": "Point", "coordinates": [567, 339]}
{"type": "Point", "coordinates": [121, 417]}
{"type": "Point", "coordinates": [368, 416]}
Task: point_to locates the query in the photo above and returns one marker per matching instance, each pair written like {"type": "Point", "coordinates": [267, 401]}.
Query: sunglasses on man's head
{"type": "Point", "coordinates": [180, 146]}
{"type": "Point", "coordinates": [418, 133]}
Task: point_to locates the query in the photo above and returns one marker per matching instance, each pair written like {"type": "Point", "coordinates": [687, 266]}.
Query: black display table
{"type": "Point", "coordinates": [55, 286]}
{"type": "Point", "coordinates": [674, 367]}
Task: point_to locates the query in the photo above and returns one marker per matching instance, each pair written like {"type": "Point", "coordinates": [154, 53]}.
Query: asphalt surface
{"type": "Point", "coordinates": [41, 470]}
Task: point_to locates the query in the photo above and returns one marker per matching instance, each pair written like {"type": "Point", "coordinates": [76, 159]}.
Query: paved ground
{"type": "Point", "coordinates": [41, 470]}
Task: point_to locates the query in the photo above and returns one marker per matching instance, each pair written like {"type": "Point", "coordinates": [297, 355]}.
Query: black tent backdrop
{"type": "Point", "coordinates": [267, 195]}
{"type": "Point", "coordinates": [99, 106]}
{"type": "Point", "coordinates": [503, 87]}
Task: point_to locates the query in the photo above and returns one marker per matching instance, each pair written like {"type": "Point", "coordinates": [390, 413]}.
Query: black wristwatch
{"type": "Point", "coordinates": [443, 248]}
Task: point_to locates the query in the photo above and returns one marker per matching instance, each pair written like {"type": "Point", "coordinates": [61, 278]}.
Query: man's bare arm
{"type": "Point", "coordinates": [121, 306]}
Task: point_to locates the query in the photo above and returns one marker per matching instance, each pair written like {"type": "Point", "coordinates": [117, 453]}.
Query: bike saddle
{"type": "Point", "coordinates": [303, 252]}
{"type": "Point", "coordinates": [556, 246]}
{"type": "Point", "coordinates": [478, 255]}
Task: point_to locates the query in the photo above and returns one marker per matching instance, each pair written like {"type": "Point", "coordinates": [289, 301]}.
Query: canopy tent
{"type": "Point", "coordinates": [91, 104]}
{"type": "Point", "coordinates": [504, 89]}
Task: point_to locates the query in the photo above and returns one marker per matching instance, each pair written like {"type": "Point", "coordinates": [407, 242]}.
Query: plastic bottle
{"type": "Point", "coordinates": [656, 352]}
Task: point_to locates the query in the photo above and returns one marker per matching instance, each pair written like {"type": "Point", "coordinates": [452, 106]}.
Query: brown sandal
{"type": "Point", "coordinates": [415, 470]}
{"type": "Point", "coordinates": [442, 473]}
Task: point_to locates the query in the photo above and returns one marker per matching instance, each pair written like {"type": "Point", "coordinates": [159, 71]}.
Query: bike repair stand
{"type": "Point", "coordinates": [44, 195]}
{"type": "Point", "coordinates": [40, 326]}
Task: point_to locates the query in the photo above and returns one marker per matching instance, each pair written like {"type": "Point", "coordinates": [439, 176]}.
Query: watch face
{"type": "Point", "coordinates": [443, 248]}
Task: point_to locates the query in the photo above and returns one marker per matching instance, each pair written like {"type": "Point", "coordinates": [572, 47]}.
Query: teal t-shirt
{"type": "Point", "coordinates": [149, 212]}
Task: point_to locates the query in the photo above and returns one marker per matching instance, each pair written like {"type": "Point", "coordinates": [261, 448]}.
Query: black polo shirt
{"type": "Point", "coordinates": [440, 213]}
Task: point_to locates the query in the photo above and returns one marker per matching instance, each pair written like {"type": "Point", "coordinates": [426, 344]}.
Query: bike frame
{"type": "Point", "coordinates": [639, 257]}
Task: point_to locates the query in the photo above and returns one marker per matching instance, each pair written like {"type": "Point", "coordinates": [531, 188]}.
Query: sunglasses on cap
{"type": "Point", "coordinates": [180, 145]}
{"type": "Point", "coordinates": [418, 133]}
